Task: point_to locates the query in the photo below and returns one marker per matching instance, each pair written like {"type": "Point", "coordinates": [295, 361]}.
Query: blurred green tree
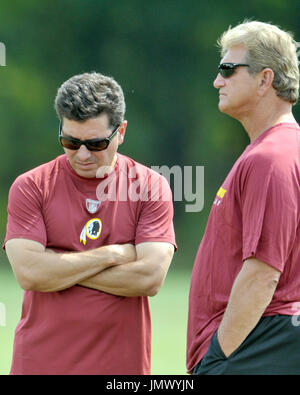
{"type": "Point", "coordinates": [164, 55]}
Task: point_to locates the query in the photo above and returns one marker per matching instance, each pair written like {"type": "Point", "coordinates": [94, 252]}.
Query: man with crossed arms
{"type": "Point", "coordinates": [87, 266]}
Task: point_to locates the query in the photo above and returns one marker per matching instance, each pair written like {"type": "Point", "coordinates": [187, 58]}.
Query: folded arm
{"type": "Point", "coordinates": [39, 269]}
{"type": "Point", "coordinates": [141, 277]}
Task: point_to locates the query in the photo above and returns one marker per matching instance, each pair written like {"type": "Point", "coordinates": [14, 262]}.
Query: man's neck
{"type": "Point", "coordinates": [265, 117]}
{"type": "Point", "coordinates": [106, 170]}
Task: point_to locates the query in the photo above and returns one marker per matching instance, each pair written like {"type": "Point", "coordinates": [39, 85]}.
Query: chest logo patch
{"type": "Point", "coordinates": [92, 206]}
{"type": "Point", "coordinates": [92, 229]}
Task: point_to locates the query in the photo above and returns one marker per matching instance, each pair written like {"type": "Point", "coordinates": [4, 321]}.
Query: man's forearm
{"type": "Point", "coordinates": [40, 269]}
{"type": "Point", "coordinates": [141, 277]}
{"type": "Point", "coordinates": [55, 272]}
{"type": "Point", "coordinates": [130, 279]}
{"type": "Point", "coordinates": [250, 295]}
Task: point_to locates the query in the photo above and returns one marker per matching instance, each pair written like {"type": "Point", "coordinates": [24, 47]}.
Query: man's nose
{"type": "Point", "coordinates": [219, 81]}
{"type": "Point", "coordinates": [83, 153]}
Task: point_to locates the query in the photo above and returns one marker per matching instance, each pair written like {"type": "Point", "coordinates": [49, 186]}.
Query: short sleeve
{"type": "Point", "coordinates": [155, 222]}
{"type": "Point", "coordinates": [269, 212]}
{"type": "Point", "coordinates": [25, 218]}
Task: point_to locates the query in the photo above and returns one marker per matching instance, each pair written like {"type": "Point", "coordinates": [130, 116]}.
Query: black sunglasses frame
{"type": "Point", "coordinates": [91, 144]}
{"type": "Point", "coordinates": [227, 69]}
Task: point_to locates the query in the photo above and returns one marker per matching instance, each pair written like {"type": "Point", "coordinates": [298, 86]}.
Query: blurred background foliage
{"type": "Point", "coordinates": [164, 55]}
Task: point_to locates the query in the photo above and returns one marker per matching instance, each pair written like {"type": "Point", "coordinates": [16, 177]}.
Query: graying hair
{"type": "Point", "coordinates": [89, 95]}
{"type": "Point", "coordinates": [267, 46]}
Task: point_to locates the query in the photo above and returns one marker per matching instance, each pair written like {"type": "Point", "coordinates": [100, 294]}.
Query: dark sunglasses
{"type": "Point", "coordinates": [227, 69]}
{"type": "Point", "coordinates": [91, 145]}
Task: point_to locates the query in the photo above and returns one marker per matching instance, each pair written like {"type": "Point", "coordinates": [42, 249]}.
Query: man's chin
{"type": "Point", "coordinates": [225, 109]}
{"type": "Point", "coordinates": [100, 172]}
{"type": "Point", "coordinates": [222, 106]}
{"type": "Point", "coordinates": [86, 173]}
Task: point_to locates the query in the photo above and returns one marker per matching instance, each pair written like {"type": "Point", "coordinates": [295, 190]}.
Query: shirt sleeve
{"type": "Point", "coordinates": [269, 211]}
{"type": "Point", "coordinates": [156, 217]}
{"type": "Point", "coordinates": [25, 217]}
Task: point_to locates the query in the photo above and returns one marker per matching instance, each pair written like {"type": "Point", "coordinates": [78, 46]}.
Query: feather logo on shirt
{"type": "Point", "coordinates": [220, 194]}
{"type": "Point", "coordinates": [92, 229]}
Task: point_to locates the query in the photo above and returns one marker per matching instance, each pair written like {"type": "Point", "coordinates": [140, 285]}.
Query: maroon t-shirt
{"type": "Point", "coordinates": [81, 330]}
{"type": "Point", "coordinates": [256, 213]}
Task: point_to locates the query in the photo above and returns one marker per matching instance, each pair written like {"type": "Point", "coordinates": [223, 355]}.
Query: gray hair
{"type": "Point", "coordinates": [267, 46]}
{"type": "Point", "coordinates": [89, 95]}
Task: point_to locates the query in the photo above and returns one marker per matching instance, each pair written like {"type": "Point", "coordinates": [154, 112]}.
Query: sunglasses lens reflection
{"type": "Point", "coordinates": [226, 71]}
{"type": "Point", "coordinates": [97, 146]}
{"type": "Point", "coordinates": [69, 144]}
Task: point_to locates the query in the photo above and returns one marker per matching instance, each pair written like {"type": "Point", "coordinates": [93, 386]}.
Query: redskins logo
{"type": "Point", "coordinates": [92, 229]}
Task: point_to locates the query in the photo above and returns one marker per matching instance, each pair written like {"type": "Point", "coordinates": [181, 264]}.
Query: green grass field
{"type": "Point", "coordinates": [169, 318]}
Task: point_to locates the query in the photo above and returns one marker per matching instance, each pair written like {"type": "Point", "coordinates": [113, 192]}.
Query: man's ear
{"type": "Point", "coordinates": [266, 77]}
{"type": "Point", "coordinates": [121, 132]}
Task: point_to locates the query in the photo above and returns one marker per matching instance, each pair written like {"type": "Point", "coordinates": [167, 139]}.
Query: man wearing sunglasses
{"type": "Point", "coordinates": [87, 264]}
{"type": "Point", "coordinates": [244, 305]}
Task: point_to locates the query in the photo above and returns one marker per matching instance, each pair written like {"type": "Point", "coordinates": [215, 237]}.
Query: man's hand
{"type": "Point", "coordinates": [123, 253]}
{"type": "Point", "coordinates": [252, 291]}
{"type": "Point", "coordinates": [142, 276]}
